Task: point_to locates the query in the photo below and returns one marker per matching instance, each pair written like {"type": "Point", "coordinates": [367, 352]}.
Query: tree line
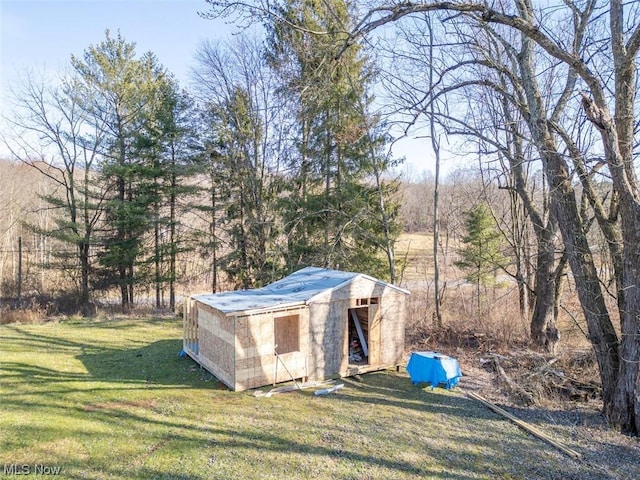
{"type": "Point", "coordinates": [272, 160]}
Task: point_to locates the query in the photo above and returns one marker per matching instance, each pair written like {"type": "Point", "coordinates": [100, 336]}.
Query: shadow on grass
{"type": "Point", "coordinates": [42, 382]}
{"type": "Point", "coordinates": [254, 434]}
{"type": "Point", "coordinates": [232, 448]}
{"type": "Point", "coordinates": [157, 362]}
{"type": "Point", "coordinates": [154, 363]}
{"type": "Point", "coordinates": [394, 390]}
{"type": "Point", "coordinates": [220, 440]}
{"type": "Point", "coordinates": [385, 388]}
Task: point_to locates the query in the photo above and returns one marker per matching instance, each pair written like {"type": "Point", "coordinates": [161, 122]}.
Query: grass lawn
{"type": "Point", "coordinates": [113, 399]}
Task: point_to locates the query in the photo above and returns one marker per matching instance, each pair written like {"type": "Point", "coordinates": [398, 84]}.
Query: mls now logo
{"type": "Point", "coordinates": [26, 469]}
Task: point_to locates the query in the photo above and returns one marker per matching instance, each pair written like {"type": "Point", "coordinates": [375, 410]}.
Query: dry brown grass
{"type": "Point", "coordinates": [415, 252]}
{"type": "Point", "coordinates": [25, 315]}
{"type": "Point", "coordinates": [497, 325]}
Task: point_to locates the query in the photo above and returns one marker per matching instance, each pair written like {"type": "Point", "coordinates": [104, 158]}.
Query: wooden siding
{"type": "Point", "coordinates": [375, 334]}
{"type": "Point", "coordinates": [239, 348]}
{"type": "Point", "coordinates": [329, 316]}
{"type": "Point", "coordinates": [328, 337]}
{"type": "Point", "coordinates": [392, 313]}
{"type": "Point", "coordinates": [216, 341]}
{"type": "Point", "coordinates": [190, 326]}
{"type": "Point", "coordinates": [360, 287]}
{"type": "Point", "coordinates": [256, 362]}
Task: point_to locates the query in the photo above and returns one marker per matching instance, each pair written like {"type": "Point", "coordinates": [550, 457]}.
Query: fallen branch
{"type": "Point", "coordinates": [520, 393]}
{"type": "Point", "coordinates": [525, 426]}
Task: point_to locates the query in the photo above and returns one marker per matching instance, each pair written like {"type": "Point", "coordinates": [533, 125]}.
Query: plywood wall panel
{"type": "Point", "coordinates": [239, 349]}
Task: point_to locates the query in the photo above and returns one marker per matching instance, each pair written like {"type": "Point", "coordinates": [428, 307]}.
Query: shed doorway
{"type": "Point", "coordinates": [361, 332]}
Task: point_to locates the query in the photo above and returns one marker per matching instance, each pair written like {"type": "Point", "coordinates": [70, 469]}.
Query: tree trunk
{"type": "Point", "coordinates": [435, 146]}
{"type": "Point", "coordinates": [601, 331]}
{"type": "Point", "coordinates": [544, 332]}
{"type": "Point", "coordinates": [619, 149]}
{"type": "Point", "coordinates": [124, 292]}
{"type": "Point", "coordinates": [565, 210]}
{"type": "Point", "coordinates": [212, 235]}
{"type": "Point", "coordinates": [172, 241]}
{"type": "Point", "coordinates": [626, 408]}
{"type": "Point", "coordinates": [83, 252]}
{"type": "Point", "coordinates": [156, 255]}
{"type": "Point", "coordinates": [244, 265]}
{"type": "Point", "coordinates": [388, 246]}
{"type": "Point", "coordinates": [327, 196]}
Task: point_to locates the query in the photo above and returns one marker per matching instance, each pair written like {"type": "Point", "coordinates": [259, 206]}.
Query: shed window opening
{"type": "Point", "coordinates": [361, 302]}
{"type": "Point", "coordinates": [287, 334]}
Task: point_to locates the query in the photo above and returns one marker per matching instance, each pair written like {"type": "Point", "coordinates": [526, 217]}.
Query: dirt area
{"type": "Point", "coordinates": [560, 396]}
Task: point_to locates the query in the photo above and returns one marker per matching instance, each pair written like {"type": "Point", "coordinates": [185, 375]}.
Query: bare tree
{"type": "Point", "coordinates": [618, 359]}
{"type": "Point", "coordinates": [22, 206]}
{"type": "Point", "coordinates": [245, 123]}
{"type": "Point", "coordinates": [52, 134]}
{"type": "Point", "coordinates": [468, 85]}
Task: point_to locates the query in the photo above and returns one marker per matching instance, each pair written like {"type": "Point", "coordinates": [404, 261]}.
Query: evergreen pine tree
{"type": "Point", "coordinates": [331, 210]}
{"type": "Point", "coordinates": [127, 92]}
{"type": "Point", "coordinates": [480, 255]}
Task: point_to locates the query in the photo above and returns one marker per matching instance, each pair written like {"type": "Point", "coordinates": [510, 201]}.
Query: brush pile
{"type": "Point", "coordinates": [530, 378]}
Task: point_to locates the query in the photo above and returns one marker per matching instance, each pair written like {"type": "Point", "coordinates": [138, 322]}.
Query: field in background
{"type": "Point", "coordinates": [498, 324]}
{"type": "Point", "coordinates": [414, 253]}
{"type": "Point", "coordinates": [113, 399]}
{"type": "Point", "coordinates": [47, 292]}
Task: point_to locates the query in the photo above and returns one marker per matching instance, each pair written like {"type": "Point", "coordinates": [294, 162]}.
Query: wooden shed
{"type": "Point", "coordinates": [311, 325]}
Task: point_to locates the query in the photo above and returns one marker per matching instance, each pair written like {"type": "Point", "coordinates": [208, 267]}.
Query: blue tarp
{"type": "Point", "coordinates": [434, 368]}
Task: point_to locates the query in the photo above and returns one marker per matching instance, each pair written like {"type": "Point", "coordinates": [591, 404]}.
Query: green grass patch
{"type": "Point", "coordinates": [114, 400]}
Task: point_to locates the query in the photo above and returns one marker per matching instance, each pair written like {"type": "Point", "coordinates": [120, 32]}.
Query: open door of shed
{"type": "Point", "coordinates": [364, 334]}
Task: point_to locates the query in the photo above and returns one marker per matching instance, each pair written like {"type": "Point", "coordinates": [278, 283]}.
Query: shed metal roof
{"type": "Point", "coordinates": [296, 289]}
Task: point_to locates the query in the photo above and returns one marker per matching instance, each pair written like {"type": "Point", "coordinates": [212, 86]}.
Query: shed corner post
{"type": "Point", "coordinates": [234, 328]}
{"type": "Point", "coordinates": [186, 309]}
{"type": "Point", "coordinates": [190, 324]}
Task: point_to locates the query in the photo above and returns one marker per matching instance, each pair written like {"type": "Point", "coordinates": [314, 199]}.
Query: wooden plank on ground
{"type": "Point", "coordinates": [526, 426]}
